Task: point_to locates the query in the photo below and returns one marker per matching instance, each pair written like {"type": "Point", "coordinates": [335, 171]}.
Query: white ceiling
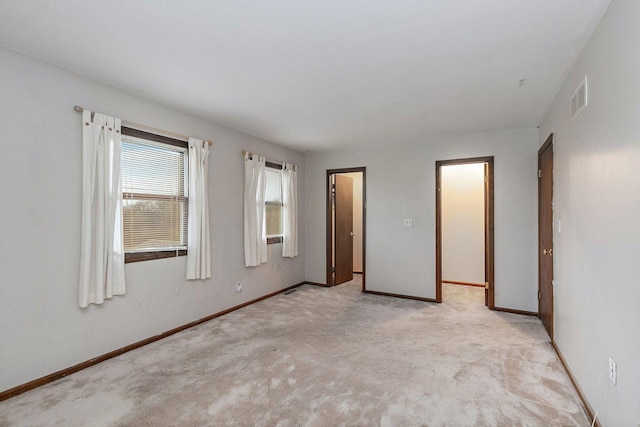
{"type": "Point", "coordinates": [319, 74]}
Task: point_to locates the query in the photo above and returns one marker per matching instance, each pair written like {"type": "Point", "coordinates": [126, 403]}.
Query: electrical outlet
{"type": "Point", "coordinates": [613, 371]}
{"type": "Point", "coordinates": [238, 287]}
{"type": "Point", "coordinates": [408, 222]}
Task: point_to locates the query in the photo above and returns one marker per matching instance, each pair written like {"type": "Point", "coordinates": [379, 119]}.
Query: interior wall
{"type": "Point", "coordinates": [401, 185]}
{"type": "Point", "coordinates": [357, 220]}
{"type": "Point", "coordinates": [596, 216]}
{"type": "Point", "coordinates": [42, 329]}
{"type": "Point", "coordinates": [462, 188]}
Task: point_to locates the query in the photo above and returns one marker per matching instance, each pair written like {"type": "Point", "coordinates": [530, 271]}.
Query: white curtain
{"type": "Point", "coordinates": [199, 241]}
{"type": "Point", "coordinates": [289, 210]}
{"type": "Point", "coordinates": [255, 228]}
{"type": "Point", "coordinates": [101, 253]}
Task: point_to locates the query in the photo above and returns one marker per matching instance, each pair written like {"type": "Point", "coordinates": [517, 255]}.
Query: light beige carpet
{"type": "Point", "coordinates": [325, 357]}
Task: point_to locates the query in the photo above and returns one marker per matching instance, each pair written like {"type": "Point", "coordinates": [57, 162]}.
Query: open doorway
{"type": "Point", "coordinates": [464, 225]}
{"type": "Point", "coordinates": [346, 228]}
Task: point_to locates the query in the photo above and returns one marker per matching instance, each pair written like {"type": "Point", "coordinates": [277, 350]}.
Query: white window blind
{"type": "Point", "coordinates": [273, 202]}
{"type": "Point", "coordinates": [155, 198]}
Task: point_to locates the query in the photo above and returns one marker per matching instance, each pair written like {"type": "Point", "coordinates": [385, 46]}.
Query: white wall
{"type": "Point", "coordinates": [462, 188]}
{"type": "Point", "coordinates": [400, 184]}
{"type": "Point", "coordinates": [597, 200]}
{"type": "Point", "coordinates": [42, 329]}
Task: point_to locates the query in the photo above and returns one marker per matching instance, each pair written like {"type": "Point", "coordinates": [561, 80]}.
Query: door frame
{"type": "Point", "coordinates": [328, 223]}
{"type": "Point", "coordinates": [489, 226]}
{"type": "Point", "coordinates": [547, 144]}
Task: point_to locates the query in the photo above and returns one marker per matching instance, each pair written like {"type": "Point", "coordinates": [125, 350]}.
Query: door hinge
{"type": "Point", "coordinates": [539, 173]}
{"type": "Point", "coordinates": [333, 270]}
{"type": "Point", "coordinates": [486, 285]}
{"type": "Point", "coordinates": [538, 294]}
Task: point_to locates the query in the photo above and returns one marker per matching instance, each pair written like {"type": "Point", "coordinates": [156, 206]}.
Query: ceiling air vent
{"type": "Point", "coordinates": [579, 100]}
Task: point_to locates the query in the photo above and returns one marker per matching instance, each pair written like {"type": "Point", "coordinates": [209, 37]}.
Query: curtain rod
{"type": "Point", "coordinates": [79, 109]}
{"type": "Point", "coordinates": [267, 159]}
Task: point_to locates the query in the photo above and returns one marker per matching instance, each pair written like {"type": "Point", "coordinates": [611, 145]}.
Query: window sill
{"type": "Point", "coordinates": [147, 256]}
{"type": "Point", "coordinates": [272, 240]}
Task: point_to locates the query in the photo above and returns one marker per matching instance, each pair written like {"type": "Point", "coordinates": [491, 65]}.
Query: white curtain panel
{"type": "Point", "coordinates": [101, 253]}
{"type": "Point", "coordinates": [255, 228]}
{"type": "Point", "coordinates": [199, 239]}
{"type": "Point", "coordinates": [289, 210]}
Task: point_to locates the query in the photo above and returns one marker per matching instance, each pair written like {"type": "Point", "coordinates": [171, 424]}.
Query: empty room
{"type": "Point", "coordinates": [293, 213]}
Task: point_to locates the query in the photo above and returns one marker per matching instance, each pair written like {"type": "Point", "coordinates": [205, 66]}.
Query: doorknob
{"type": "Point", "coordinates": [351, 234]}
{"type": "Point", "coordinates": [550, 252]}
{"type": "Point", "coordinates": [547, 252]}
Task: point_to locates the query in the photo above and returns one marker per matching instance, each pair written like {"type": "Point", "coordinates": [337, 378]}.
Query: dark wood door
{"type": "Point", "coordinates": [545, 235]}
{"type": "Point", "coordinates": [343, 229]}
{"type": "Point", "coordinates": [486, 234]}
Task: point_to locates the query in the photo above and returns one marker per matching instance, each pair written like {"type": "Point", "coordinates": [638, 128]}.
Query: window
{"type": "Point", "coordinates": [273, 203]}
{"type": "Point", "coordinates": [155, 199]}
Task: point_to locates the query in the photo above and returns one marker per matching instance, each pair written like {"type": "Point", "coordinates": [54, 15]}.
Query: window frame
{"type": "Point", "coordinates": [274, 239]}
{"type": "Point", "coordinates": [130, 257]}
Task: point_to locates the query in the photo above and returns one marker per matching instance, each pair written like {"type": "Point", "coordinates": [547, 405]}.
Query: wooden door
{"type": "Point", "coordinates": [545, 235]}
{"type": "Point", "coordinates": [486, 234]}
{"type": "Point", "coordinates": [343, 230]}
